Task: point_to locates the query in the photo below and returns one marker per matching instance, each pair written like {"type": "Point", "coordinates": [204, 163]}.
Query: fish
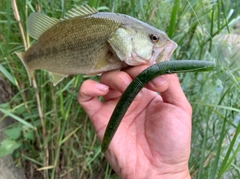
{"type": "Point", "coordinates": [89, 42]}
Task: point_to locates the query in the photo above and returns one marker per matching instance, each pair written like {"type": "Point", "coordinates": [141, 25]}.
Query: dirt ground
{"type": "Point", "coordinates": [8, 170]}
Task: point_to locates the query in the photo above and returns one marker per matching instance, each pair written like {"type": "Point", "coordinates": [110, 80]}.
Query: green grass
{"type": "Point", "coordinates": [56, 136]}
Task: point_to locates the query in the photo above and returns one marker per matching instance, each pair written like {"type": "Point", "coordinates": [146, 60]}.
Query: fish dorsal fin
{"type": "Point", "coordinates": [39, 23]}
{"type": "Point", "coordinates": [83, 10]}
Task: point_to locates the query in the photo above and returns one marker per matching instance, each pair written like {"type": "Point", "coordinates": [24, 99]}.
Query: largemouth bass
{"type": "Point", "coordinates": [89, 42]}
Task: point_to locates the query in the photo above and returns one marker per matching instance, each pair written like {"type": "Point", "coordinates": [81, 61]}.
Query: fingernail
{"type": "Point", "coordinates": [101, 87]}
{"type": "Point", "coordinates": [159, 81]}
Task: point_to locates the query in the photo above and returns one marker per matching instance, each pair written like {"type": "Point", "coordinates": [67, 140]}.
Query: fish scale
{"type": "Point", "coordinates": [76, 49]}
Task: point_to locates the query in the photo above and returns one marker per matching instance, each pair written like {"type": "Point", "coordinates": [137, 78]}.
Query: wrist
{"type": "Point", "coordinates": [173, 175]}
{"type": "Point", "coordinates": [182, 175]}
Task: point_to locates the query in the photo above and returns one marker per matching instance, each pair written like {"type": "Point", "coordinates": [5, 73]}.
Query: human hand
{"type": "Point", "coordinates": [153, 139]}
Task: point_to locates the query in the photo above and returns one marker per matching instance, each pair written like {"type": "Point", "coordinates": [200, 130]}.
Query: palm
{"type": "Point", "coordinates": [151, 131]}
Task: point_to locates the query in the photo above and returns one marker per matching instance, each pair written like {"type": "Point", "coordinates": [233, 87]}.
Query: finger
{"type": "Point", "coordinates": [112, 94]}
{"type": "Point", "coordinates": [117, 80]}
{"type": "Point", "coordinates": [87, 96]}
{"type": "Point", "coordinates": [175, 95]}
{"type": "Point", "coordinates": [171, 94]}
{"type": "Point", "coordinates": [158, 84]}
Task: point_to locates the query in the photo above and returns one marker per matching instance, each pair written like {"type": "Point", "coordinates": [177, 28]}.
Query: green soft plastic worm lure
{"type": "Point", "coordinates": [167, 67]}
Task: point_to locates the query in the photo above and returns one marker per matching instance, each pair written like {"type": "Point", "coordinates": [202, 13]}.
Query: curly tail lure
{"type": "Point", "coordinates": [166, 67]}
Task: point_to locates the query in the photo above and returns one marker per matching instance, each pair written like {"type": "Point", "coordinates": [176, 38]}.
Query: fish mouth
{"type": "Point", "coordinates": [164, 53]}
{"type": "Point", "coordinates": [170, 49]}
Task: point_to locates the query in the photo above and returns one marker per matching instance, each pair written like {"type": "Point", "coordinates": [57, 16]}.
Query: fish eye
{"type": "Point", "coordinates": [154, 38]}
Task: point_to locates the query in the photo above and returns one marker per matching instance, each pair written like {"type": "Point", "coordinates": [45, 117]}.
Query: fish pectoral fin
{"type": "Point", "coordinates": [56, 77]}
{"type": "Point", "coordinates": [107, 63]}
{"type": "Point", "coordinates": [83, 10]}
{"type": "Point", "coordinates": [39, 23]}
{"type": "Point", "coordinates": [100, 64]}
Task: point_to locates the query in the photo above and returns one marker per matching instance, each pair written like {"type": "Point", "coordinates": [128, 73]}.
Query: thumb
{"type": "Point", "coordinates": [174, 94]}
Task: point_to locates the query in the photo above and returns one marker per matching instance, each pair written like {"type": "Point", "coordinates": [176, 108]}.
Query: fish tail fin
{"type": "Point", "coordinates": [29, 71]}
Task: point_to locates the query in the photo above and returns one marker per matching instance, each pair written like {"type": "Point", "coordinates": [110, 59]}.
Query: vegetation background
{"type": "Point", "coordinates": [52, 136]}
